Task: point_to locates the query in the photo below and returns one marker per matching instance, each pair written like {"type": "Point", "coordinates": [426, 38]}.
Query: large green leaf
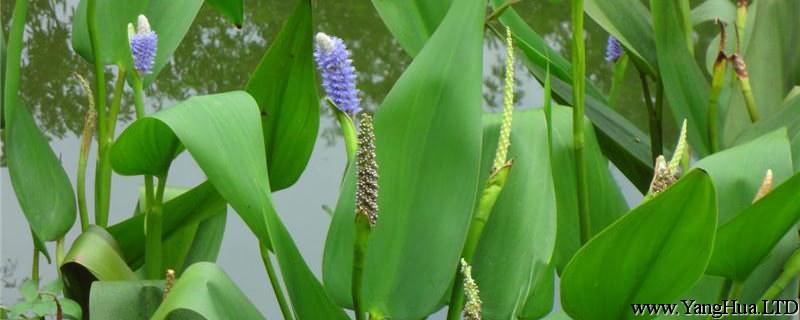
{"type": "Point", "coordinates": [539, 302]}
{"type": "Point", "coordinates": [745, 241]}
{"type": "Point", "coordinates": [233, 10]}
{"type": "Point", "coordinates": [629, 22]}
{"type": "Point", "coordinates": [521, 231]}
{"type": "Point", "coordinates": [169, 19]}
{"type": "Point", "coordinates": [711, 10]}
{"type": "Point", "coordinates": [737, 172]}
{"type": "Point", "coordinates": [42, 187]}
{"type": "Point", "coordinates": [129, 300]}
{"type": "Point", "coordinates": [289, 103]}
{"type": "Point", "coordinates": [204, 291]}
{"type": "Point", "coordinates": [652, 255]}
{"type": "Point", "coordinates": [788, 116]}
{"type": "Point", "coordinates": [428, 144]}
{"type": "Point", "coordinates": [192, 207]}
{"type": "Point", "coordinates": [222, 132]}
{"type": "Point", "coordinates": [412, 22]}
{"type": "Point", "coordinates": [606, 202]}
{"type": "Point", "coordinates": [625, 145]}
{"type": "Point", "coordinates": [770, 52]}
{"type": "Point", "coordinates": [685, 87]}
{"type": "Point", "coordinates": [93, 256]}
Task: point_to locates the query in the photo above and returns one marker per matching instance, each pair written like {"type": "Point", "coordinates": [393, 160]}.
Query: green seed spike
{"type": "Point", "coordinates": [508, 105]}
{"type": "Point", "coordinates": [680, 150]}
{"type": "Point", "coordinates": [472, 310]}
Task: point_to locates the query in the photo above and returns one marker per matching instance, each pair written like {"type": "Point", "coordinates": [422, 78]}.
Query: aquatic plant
{"type": "Point", "coordinates": [438, 197]}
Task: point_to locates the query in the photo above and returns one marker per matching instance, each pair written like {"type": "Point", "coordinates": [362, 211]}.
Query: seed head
{"type": "Point", "coordinates": [367, 172]}
{"type": "Point", "coordinates": [472, 309]}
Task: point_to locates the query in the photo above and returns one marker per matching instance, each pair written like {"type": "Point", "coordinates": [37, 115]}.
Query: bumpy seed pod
{"type": "Point", "coordinates": [367, 174]}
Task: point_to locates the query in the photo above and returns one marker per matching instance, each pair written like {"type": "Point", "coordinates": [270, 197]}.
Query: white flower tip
{"type": "Point", "coordinates": [143, 24]}
{"type": "Point", "coordinates": [324, 41]}
{"type": "Point", "coordinates": [131, 31]}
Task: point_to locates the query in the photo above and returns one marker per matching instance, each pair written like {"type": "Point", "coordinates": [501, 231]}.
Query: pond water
{"type": "Point", "coordinates": [216, 57]}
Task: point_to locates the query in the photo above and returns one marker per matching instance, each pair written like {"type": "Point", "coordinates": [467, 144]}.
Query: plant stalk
{"type": "Point", "coordinates": [101, 218]}
{"type": "Point", "coordinates": [273, 279]}
{"type": "Point", "coordinates": [348, 130]}
{"type": "Point", "coordinates": [616, 81]}
{"type": "Point", "coordinates": [86, 143]}
{"type": "Point", "coordinates": [153, 231]}
{"type": "Point", "coordinates": [35, 263]}
{"type": "Point", "coordinates": [494, 185]}
{"type": "Point", "coordinates": [578, 96]}
{"type": "Point", "coordinates": [790, 269]}
{"type": "Point", "coordinates": [362, 230]}
{"type": "Point", "coordinates": [101, 194]}
{"type": "Point", "coordinates": [653, 114]}
{"type": "Point", "coordinates": [713, 101]}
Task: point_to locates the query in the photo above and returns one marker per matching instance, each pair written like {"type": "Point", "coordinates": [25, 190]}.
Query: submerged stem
{"type": "Point", "coordinates": [276, 286]}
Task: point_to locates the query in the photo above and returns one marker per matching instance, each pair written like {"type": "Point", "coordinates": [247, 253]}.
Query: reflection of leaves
{"type": "Point", "coordinates": [213, 57]}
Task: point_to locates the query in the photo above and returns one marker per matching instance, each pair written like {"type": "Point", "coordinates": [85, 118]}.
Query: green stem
{"type": "Point", "coordinates": [616, 81]}
{"type": "Point", "coordinates": [494, 185]}
{"type": "Point", "coordinates": [348, 130]}
{"type": "Point", "coordinates": [153, 233]}
{"type": "Point", "coordinates": [500, 9]}
{"type": "Point", "coordinates": [362, 230]}
{"type": "Point", "coordinates": [790, 269]}
{"type": "Point", "coordinates": [725, 289]}
{"type": "Point", "coordinates": [654, 125]}
{"type": "Point", "coordinates": [101, 217]}
{"type": "Point", "coordinates": [276, 286]}
{"type": "Point", "coordinates": [101, 207]}
{"type": "Point", "coordinates": [86, 141]}
{"type": "Point", "coordinates": [35, 265]}
{"type": "Point", "coordinates": [138, 95]}
{"type": "Point", "coordinates": [749, 99]}
{"type": "Point", "coordinates": [59, 254]}
{"type": "Point", "coordinates": [578, 96]}
{"type": "Point", "coordinates": [13, 56]}
{"type": "Point", "coordinates": [717, 82]}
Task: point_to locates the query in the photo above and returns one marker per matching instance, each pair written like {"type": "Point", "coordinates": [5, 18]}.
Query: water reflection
{"type": "Point", "coordinates": [216, 57]}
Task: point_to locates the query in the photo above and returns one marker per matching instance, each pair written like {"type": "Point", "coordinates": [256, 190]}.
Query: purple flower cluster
{"type": "Point", "coordinates": [338, 74]}
{"type": "Point", "coordinates": [143, 45]}
{"type": "Point", "coordinates": [613, 49]}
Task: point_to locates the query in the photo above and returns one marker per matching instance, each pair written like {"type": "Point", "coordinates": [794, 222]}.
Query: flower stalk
{"type": "Point", "coordinates": [86, 142]}
{"type": "Point", "coordinates": [153, 230]}
{"type": "Point", "coordinates": [366, 215]}
{"type": "Point", "coordinates": [717, 82]}
{"type": "Point", "coordinates": [578, 98]}
{"type": "Point", "coordinates": [276, 285]}
{"type": "Point", "coordinates": [790, 269]}
{"type": "Point", "coordinates": [491, 191]}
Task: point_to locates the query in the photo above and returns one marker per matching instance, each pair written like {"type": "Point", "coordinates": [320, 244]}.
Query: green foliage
{"type": "Point", "coordinates": [169, 19]}
{"type": "Point", "coordinates": [43, 189]}
{"type": "Point", "coordinates": [233, 10]}
{"type": "Point", "coordinates": [521, 232]}
{"type": "Point", "coordinates": [420, 229]}
{"type": "Point", "coordinates": [289, 105]}
{"type": "Point", "coordinates": [206, 292]}
{"type": "Point", "coordinates": [667, 242]}
{"type": "Point", "coordinates": [132, 300]}
{"type": "Point", "coordinates": [37, 302]}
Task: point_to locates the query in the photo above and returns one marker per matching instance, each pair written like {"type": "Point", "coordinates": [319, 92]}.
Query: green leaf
{"type": "Point", "coordinates": [770, 51]}
{"type": "Point", "coordinates": [413, 251]}
{"type": "Point", "coordinates": [604, 206]}
{"type": "Point", "coordinates": [685, 87]}
{"type": "Point", "coordinates": [205, 290]}
{"type": "Point", "coordinates": [788, 116]}
{"type": "Point", "coordinates": [193, 207]}
{"type": "Point", "coordinates": [746, 240]}
{"type": "Point", "coordinates": [412, 22]}
{"type": "Point", "coordinates": [629, 22]}
{"type": "Point", "coordinates": [29, 290]}
{"type": "Point", "coordinates": [737, 172]}
{"type": "Point", "coordinates": [289, 104]}
{"type": "Point", "coordinates": [222, 132]}
{"type": "Point", "coordinates": [710, 10]}
{"type": "Point", "coordinates": [626, 146]}
{"type": "Point", "coordinates": [71, 308]}
{"type": "Point", "coordinates": [42, 187]}
{"type": "Point", "coordinates": [233, 10]}
{"type": "Point", "coordinates": [521, 231]}
{"type": "Point", "coordinates": [93, 256]}
{"type": "Point", "coordinates": [207, 241]}
{"type": "Point", "coordinates": [125, 299]}
{"type": "Point", "coordinates": [539, 302]}
{"type": "Point", "coordinates": [652, 255]}
{"type": "Point", "coordinates": [169, 19]}
{"type": "Point", "coordinates": [42, 308]}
